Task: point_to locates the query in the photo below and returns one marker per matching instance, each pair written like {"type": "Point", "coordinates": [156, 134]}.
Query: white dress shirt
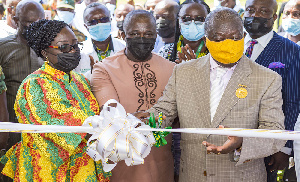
{"type": "Point", "coordinates": [225, 78]}
{"type": "Point", "coordinates": [260, 46]}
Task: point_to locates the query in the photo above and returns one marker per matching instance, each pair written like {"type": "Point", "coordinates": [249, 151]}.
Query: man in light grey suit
{"type": "Point", "coordinates": [223, 88]}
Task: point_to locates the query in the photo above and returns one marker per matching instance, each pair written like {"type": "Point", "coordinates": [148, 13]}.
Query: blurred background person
{"type": "Point", "coordinates": [8, 26]}
{"type": "Point", "coordinates": [2, 11]}
{"type": "Point", "coordinates": [54, 95]}
{"type": "Point", "coordinates": [190, 41]}
{"type": "Point", "coordinates": [150, 5]}
{"type": "Point", "coordinates": [233, 4]}
{"type": "Point", "coordinates": [291, 21]}
{"type": "Point", "coordinates": [100, 44]}
{"type": "Point", "coordinates": [65, 12]}
{"type": "Point", "coordinates": [166, 14]}
{"type": "Point", "coordinates": [138, 7]}
{"type": "Point", "coordinates": [120, 14]}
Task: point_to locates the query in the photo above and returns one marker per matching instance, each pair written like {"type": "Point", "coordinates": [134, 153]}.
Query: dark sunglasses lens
{"type": "Point", "coordinates": [186, 18]}
{"type": "Point", "coordinates": [65, 48]}
{"type": "Point", "coordinates": [104, 20]}
{"type": "Point", "coordinates": [199, 18]}
{"type": "Point", "coordinates": [93, 22]}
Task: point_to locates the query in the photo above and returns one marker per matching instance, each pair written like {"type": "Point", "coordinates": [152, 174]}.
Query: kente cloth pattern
{"type": "Point", "coordinates": [2, 83]}
{"type": "Point", "coordinates": [249, 50]}
{"type": "Point", "coordinates": [52, 97]}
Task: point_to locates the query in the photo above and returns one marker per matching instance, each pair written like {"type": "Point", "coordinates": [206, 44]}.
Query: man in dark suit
{"type": "Point", "coordinates": [267, 48]}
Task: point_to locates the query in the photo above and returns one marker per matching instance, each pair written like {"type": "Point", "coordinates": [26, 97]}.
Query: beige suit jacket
{"type": "Point", "coordinates": [187, 95]}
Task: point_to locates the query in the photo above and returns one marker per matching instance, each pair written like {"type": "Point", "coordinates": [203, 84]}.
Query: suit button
{"type": "Point", "coordinates": [204, 173]}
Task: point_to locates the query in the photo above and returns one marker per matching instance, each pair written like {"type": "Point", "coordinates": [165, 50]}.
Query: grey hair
{"type": "Point", "coordinates": [137, 14]}
{"type": "Point", "coordinates": [221, 15]}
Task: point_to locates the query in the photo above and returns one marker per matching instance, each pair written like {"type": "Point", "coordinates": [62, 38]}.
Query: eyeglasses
{"type": "Point", "coordinates": [101, 20]}
{"type": "Point", "coordinates": [188, 19]}
{"type": "Point", "coordinates": [65, 48]}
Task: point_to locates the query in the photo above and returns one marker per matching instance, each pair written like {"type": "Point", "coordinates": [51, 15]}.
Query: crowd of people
{"type": "Point", "coordinates": [201, 66]}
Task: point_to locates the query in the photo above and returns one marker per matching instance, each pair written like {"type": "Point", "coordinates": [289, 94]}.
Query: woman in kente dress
{"type": "Point", "coordinates": [53, 95]}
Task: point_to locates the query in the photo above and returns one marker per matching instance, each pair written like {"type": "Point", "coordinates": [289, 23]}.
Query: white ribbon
{"type": "Point", "coordinates": [116, 137]}
{"type": "Point", "coordinates": [120, 136]}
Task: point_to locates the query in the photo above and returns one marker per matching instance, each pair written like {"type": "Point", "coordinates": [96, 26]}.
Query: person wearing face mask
{"type": "Point", "coordinates": [65, 12]}
{"type": "Point", "coordinates": [223, 88]}
{"type": "Point", "coordinates": [267, 48]}
{"type": "Point", "coordinates": [78, 21]}
{"type": "Point", "coordinates": [120, 14]}
{"type": "Point", "coordinates": [190, 43]}
{"type": "Point", "coordinates": [100, 44]}
{"type": "Point", "coordinates": [291, 21]}
{"type": "Point", "coordinates": [54, 95]}
{"type": "Point", "coordinates": [136, 78]}
{"type": "Point", "coordinates": [165, 13]}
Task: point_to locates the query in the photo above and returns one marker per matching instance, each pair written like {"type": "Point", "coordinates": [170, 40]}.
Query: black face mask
{"type": "Point", "coordinates": [257, 26]}
{"type": "Point", "coordinates": [120, 25]}
{"type": "Point", "coordinates": [164, 28]}
{"type": "Point", "coordinates": [140, 47]}
{"type": "Point", "coordinates": [67, 61]}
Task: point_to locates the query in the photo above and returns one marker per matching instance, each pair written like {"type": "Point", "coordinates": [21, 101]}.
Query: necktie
{"type": "Point", "coordinates": [250, 48]}
{"type": "Point", "coordinates": [216, 91]}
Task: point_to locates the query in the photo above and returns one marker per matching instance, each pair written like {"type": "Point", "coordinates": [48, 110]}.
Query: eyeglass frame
{"type": "Point", "coordinates": [74, 46]}
{"type": "Point", "coordinates": [192, 19]}
{"type": "Point", "coordinates": [88, 23]}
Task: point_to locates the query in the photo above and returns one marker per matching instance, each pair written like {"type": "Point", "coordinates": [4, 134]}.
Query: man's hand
{"type": "Point", "coordinates": [279, 161]}
{"type": "Point", "coordinates": [186, 54]}
{"type": "Point", "coordinates": [231, 144]}
{"type": "Point", "coordinates": [144, 116]}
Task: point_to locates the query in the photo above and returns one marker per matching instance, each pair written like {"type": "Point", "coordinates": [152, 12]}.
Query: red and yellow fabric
{"type": "Point", "coordinates": [52, 97]}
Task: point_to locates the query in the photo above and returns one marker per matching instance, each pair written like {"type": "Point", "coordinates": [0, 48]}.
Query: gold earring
{"type": "Point", "coordinates": [47, 61]}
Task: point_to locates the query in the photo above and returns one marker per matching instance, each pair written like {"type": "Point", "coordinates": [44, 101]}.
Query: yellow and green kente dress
{"type": "Point", "coordinates": [52, 97]}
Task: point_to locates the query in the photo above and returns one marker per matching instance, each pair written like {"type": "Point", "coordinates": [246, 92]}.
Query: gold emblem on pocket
{"type": "Point", "coordinates": [241, 92]}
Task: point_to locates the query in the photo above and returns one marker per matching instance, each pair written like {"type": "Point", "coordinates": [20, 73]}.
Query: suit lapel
{"type": "Point", "coordinates": [267, 55]}
{"type": "Point", "coordinates": [203, 91]}
{"type": "Point", "coordinates": [229, 98]}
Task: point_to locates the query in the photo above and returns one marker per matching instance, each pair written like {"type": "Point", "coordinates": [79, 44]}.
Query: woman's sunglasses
{"type": "Point", "coordinates": [65, 48]}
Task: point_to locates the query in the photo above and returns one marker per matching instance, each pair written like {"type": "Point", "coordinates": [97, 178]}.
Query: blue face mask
{"type": "Point", "coordinates": [100, 32]}
{"type": "Point", "coordinates": [192, 31]}
{"type": "Point", "coordinates": [291, 26]}
{"type": "Point", "coordinates": [65, 16]}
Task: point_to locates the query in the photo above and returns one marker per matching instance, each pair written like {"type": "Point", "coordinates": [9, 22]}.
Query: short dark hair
{"type": "Point", "coordinates": [91, 6]}
{"type": "Point", "coordinates": [137, 14]}
{"type": "Point", "coordinates": [40, 34]}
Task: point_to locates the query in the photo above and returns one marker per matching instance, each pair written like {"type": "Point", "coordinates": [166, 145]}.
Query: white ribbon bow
{"type": "Point", "coordinates": [116, 138]}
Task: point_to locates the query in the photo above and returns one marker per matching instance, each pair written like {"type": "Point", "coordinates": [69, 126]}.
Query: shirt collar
{"type": "Point", "coordinates": [263, 40]}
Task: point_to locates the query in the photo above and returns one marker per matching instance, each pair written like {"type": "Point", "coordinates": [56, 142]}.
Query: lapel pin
{"type": "Point", "coordinates": [241, 92]}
